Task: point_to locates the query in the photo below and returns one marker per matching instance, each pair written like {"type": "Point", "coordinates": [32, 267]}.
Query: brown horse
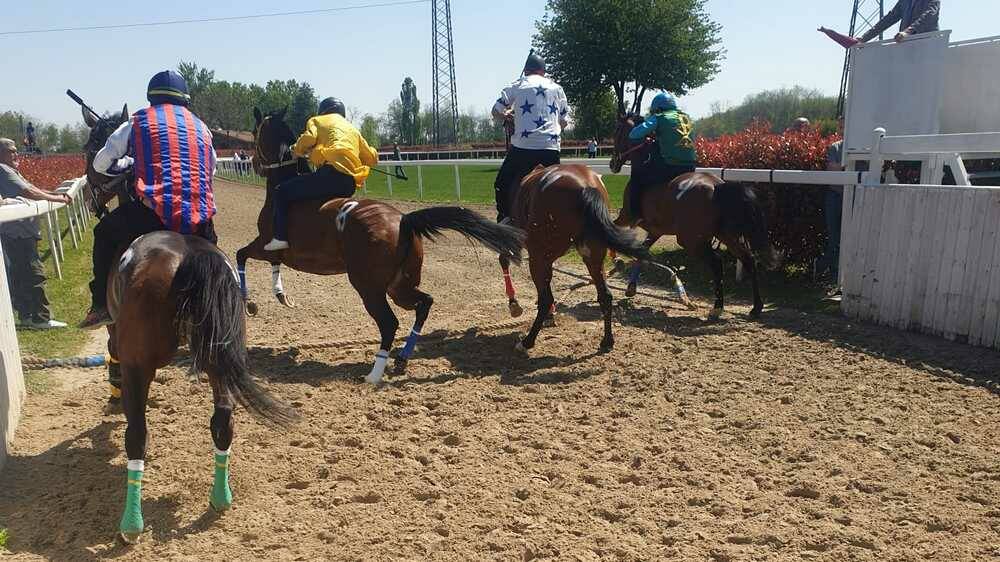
{"type": "Point", "coordinates": [378, 247]}
{"type": "Point", "coordinates": [167, 289]}
{"type": "Point", "coordinates": [699, 208]}
{"type": "Point", "coordinates": [562, 207]}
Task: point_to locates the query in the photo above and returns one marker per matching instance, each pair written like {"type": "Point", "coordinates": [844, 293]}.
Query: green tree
{"type": "Point", "coordinates": [594, 116]}
{"type": "Point", "coordinates": [410, 111]}
{"type": "Point", "coordinates": [198, 79]}
{"type": "Point", "coordinates": [630, 46]}
{"type": "Point", "coordinates": [369, 130]}
{"type": "Point", "coordinates": [778, 107]}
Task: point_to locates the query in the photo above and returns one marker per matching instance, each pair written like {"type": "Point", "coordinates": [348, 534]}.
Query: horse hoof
{"type": "Point", "coordinates": [715, 314]}
{"type": "Point", "coordinates": [373, 380]}
{"type": "Point", "coordinates": [606, 347]}
{"type": "Point", "coordinates": [521, 349]}
{"type": "Point", "coordinates": [631, 290]}
{"type": "Point", "coordinates": [515, 309]}
{"type": "Point", "coordinates": [219, 510]}
{"type": "Point", "coordinates": [285, 300]}
{"type": "Point", "coordinates": [755, 312]}
{"type": "Point", "coordinates": [251, 309]}
{"type": "Point", "coordinates": [400, 367]}
{"type": "Point", "coordinates": [129, 537]}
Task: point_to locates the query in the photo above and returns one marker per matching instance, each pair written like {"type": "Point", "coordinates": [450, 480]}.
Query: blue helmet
{"type": "Point", "coordinates": [168, 87]}
{"type": "Point", "coordinates": [663, 102]}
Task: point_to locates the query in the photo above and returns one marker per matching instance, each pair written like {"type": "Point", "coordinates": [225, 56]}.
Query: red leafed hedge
{"type": "Point", "coordinates": [47, 172]}
{"type": "Point", "coordinates": [794, 212]}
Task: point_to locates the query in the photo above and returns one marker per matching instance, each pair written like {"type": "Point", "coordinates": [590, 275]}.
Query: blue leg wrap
{"type": "Point", "coordinates": [411, 342]}
{"type": "Point", "coordinates": [633, 276]}
{"type": "Point", "coordinates": [243, 281]}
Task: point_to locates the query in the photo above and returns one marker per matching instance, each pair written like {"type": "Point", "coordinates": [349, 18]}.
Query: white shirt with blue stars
{"type": "Point", "coordinates": [540, 112]}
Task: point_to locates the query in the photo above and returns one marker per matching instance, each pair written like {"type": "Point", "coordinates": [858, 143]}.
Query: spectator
{"type": "Point", "coordinates": [833, 201]}
{"type": "Point", "coordinates": [26, 273]}
{"type": "Point", "coordinates": [29, 137]}
{"type": "Point", "coordinates": [799, 125]}
{"type": "Point", "coordinates": [914, 16]}
{"type": "Point", "coordinates": [397, 156]}
{"type": "Point", "coordinates": [592, 148]}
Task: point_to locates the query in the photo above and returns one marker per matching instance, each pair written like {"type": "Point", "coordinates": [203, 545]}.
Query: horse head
{"type": "Point", "coordinates": [272, 140]}
{"type": "Point", "coordinates": [623, 145]}
{"type": "Point", "coordinates": [100, 130]}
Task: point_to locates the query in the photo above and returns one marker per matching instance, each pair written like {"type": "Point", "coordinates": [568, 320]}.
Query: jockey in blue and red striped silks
{"type": "Point", "coordinates": [170, 151]}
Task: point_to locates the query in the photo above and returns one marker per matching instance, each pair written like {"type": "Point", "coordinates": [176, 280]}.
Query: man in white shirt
{"type": "Point", "coordinates": [539, 109]}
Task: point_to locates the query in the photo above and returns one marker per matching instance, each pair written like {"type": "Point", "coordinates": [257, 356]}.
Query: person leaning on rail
{"type": "Point", "coordinates": [25, 270]}
{"type": "Point", "coordinates": [914, 16]}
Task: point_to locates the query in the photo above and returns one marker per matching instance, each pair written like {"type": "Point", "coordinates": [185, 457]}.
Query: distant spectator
{"type": "Point", "coordinates": [26, 273]}
{"type": "Point", "coordinates": [29, 137]}
{"type": "Point", "coordinates": [833, 202]}
{"type": "Point", "coordinates": [592, 148]}
{"type": "Point", "coordinates": [397, 156]}
{"type": "Point", "coordinates": [914, 16]}
{"type": "Point", "coordinates": [799, 125]}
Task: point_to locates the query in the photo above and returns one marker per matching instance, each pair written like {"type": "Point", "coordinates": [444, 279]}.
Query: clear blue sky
{"type": "Point", "coordinates": [362, 56]}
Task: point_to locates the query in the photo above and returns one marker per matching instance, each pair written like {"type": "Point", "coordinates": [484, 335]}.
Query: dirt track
{"type": "Point", "coordinates": [799, 437]}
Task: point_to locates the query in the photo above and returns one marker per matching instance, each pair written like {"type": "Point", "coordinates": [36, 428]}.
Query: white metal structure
{"type": "Point", "coordinates": [11, 377]}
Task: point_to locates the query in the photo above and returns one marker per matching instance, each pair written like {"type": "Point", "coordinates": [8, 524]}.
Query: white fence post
{"type": "Point", "coordinates": [11, 377]}
{"type": "Point", "coordinates": [420, 183]}
{"type": "Point", "coordinates": [875, 158]}
{"type": "Point", "coordinates": [388, 179]}
{"type": "Point", "coordinates": [458, 184]}
{"type": "Point", "coordinates": [53, 247]}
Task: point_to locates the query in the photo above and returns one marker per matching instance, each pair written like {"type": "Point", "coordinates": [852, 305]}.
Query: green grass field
{"type": "Point", "coordinates": [439, 184]}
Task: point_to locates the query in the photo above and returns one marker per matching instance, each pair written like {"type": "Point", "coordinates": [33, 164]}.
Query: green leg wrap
{"type": "Point", "coordinates": [222, 496]}
{"type": "Point", "coordinates": [131, 523]}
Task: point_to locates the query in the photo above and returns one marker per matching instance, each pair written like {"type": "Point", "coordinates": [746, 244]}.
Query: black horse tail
{"type": "Point", "coordinates": [431, 222]}
{"type": "Point", "coordinates": [744, 217]}
{"type": "Point", "coordinates": [210, 310]}
{"type": "Point", "coordinates": [597, 225]}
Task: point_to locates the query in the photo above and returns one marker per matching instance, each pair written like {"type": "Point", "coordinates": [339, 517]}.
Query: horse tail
{"type": "Point", "coordinates": [597, 225]}
{"type": "Point", "coordinates": [210, 309]}
{"type": "Point", "coordinates": [430, 223]}
{"type": "Point", "coordinates": [742, 216]}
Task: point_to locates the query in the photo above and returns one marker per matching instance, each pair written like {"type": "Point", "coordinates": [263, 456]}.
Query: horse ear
{"type": "Point", "coordinates": [257, 116]}
{"type": "Point", "coordinates": [281, 114]}
{"type": "Point", "coordinates": [125, 114]}
{"type": "Point", "coordinates": [88, 118]}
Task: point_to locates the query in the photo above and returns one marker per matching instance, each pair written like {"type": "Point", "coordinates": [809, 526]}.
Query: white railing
{"type": "Point", "coordinates": [481, 153]}
{"type": "Point", "coordinates": [11, 376]}
{"type": "Point", "coordinates": [934, 152]}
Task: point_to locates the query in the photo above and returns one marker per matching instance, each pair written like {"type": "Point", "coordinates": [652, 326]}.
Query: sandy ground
{"type": "Point", "coordinates": [796, 437]}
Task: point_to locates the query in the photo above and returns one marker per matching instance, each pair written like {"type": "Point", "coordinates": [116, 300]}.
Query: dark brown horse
{"type": "Point", "coordinates": [377, 246]}
{"type": "Point", "coordinates": [562, 207]}
{"type": "Point", "coordinates": [168, 289]}
{"type": "Point", "coordinates": [699, 208]}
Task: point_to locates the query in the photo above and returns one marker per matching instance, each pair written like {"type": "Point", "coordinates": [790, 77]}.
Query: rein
{"type": "Point", "coordinates": [293, 161]}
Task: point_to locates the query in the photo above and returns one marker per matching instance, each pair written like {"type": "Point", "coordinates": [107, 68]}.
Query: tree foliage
{"type": "Point", "coordinates": [410, 112]}
{"type": "Point", "coordinates": [777, 107]}
{"type": "Point", "coordinates": [629, 46]}
{"type": "Point", "coordinates": [48, 136]}
{"type": "Point", "coordinates": [594, 115]}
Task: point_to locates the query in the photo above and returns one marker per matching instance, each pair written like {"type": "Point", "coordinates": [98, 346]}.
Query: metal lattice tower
{"type": "Point", "coordinates": [445, 125]}
{"type": "Point", "coordinates": [864, 16]}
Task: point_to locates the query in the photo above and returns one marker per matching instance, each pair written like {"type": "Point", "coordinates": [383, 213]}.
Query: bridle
{"type": "Point", "coordinates": [259, 153]}
{"type": "Point", "coordinates": [622, 158]}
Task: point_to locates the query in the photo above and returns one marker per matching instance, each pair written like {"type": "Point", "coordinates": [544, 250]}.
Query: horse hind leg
{"type": "Point", "coordinates": [748, 263]}
{"type": "Point", "coordinates": [411, 298]}
{"type": "Point", "coordinates": [135, 391]}
{"type": "Point", "coordinates": [221, 498]}
{"type": "Point", "coordinates": [278, 287]}
{"type": "Point", "coordinates": [512, 304]}
{"type": "Point", "coordinates": [541, 274]}
{"type": "Point", "coordinates": [714, 263]}
{"type": "Point", "coordinates": [242, 255]}
{"type": "Point", "coordinates": [595, 265]}
{"type": "Point", "coordinates": [378, 308]}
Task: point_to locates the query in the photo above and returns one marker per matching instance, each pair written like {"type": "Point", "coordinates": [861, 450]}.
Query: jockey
{"type": "Point", "coordinates": [342, 160]}
{"type": "Point", "coordinates": [539, 109]}
{"type": "Point", "coordinates": [673, 153]}
{"type": "Point", "coordinates": [171, 152]}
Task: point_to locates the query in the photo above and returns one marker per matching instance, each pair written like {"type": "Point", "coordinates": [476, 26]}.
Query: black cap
{"type": "Point", "coordinates": [534, 63]}
{"type": "Point", "coordinates": [332, 105]}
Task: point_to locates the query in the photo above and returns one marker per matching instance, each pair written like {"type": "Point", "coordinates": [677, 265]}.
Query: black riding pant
{"type": "Point", "coordinates": [518, 163]}
{"type": "Point", "coordinates": [324, 183]}
{"type": "Point", "coordinates": [116, 231]}
{"type": "Point", "coordinates": [652, 171]}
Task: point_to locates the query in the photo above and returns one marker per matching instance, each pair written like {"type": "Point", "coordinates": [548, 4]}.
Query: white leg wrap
{"type": "Point", "coordinates": [378, 369]}
{"type": "Point", "coordinates": [138, 465]}
{"type": "Point", "coordinates": [276, 280]}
